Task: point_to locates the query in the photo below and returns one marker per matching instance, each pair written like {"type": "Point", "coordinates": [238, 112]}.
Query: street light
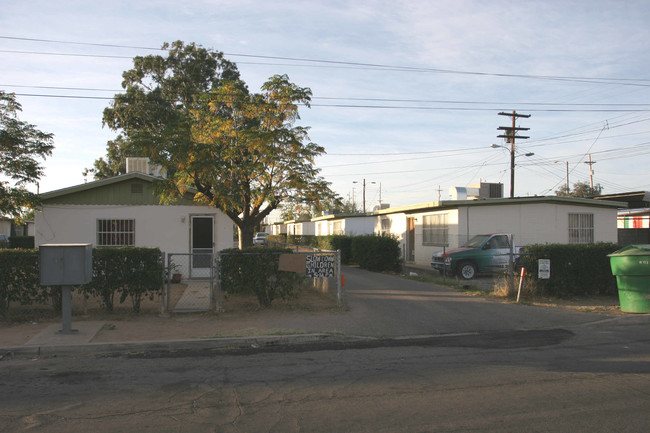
{"type": "Point", "coordinates": [364, 193]}
{"type": "Point", "coordinates": [567, 174]}
{"type": "Point", "coordinates": [512, 165]}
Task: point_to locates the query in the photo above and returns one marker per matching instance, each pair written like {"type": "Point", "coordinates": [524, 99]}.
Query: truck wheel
{"type": "Point", "coordinates": [467, 270]}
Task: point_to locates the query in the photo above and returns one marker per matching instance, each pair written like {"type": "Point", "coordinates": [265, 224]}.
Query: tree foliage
{"type": "Point", "coordinates": [580, 189]}
{"type": "Point", "coordinates": [241, 152]}
{"type": "Point", "coordinates": [21, 147]}
{"type": "Point", "coordinates": [115, 163]}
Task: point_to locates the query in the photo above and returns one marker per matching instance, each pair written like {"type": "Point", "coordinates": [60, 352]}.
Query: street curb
{"type": "Point", "coordinates": [98, 349]}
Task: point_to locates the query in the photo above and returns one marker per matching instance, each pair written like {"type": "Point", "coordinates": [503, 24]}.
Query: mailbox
{"type": "Point", "coordinates": [66, 264]}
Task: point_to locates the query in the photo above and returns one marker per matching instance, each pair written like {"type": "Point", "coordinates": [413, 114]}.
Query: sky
{"type": "Point", "coordinates": [406, 94]}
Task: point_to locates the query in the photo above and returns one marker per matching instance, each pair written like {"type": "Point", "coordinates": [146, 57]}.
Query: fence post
{"type": "Point", "coordinates": [217, 282]}
{"type": "Point", "coordinates": [340, 297]}
{"type": "Point", "coordinates": [511, 266]}
{"type": "Point", "coordinates": [163, 294]}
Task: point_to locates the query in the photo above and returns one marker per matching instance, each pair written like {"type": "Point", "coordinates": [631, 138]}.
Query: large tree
{"type": "Point", "coordinates": [191, 113]}
{"type": "Point", "coordinates": [22, 145]}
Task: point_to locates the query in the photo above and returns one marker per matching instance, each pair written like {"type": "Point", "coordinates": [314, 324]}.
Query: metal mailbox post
{"type": "Point", "coordinates": [66, 265]}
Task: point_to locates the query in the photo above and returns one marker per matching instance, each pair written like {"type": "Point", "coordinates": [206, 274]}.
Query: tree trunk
{"type": "Point", "coordinates": [246, 233]}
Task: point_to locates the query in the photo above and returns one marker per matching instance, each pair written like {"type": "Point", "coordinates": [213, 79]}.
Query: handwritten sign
{"type": "Point", "coordinates": [319, 266]}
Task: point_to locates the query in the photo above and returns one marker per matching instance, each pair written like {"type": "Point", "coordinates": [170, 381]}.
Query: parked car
{"type": "Point", "coordinates": [260, 238]}
{"type": "Point", "coordinates": [482, 253]}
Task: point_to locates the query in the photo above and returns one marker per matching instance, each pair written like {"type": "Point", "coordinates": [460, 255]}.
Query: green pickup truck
{"type": "Point", "coordinates": [483, 253]}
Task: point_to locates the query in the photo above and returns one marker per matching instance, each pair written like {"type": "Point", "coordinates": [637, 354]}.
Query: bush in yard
{"type": "Point", "coordinates": [578, 269]}
{"type": "Point", "coordinates": [377, 253]}
{"type": "Point", "coordinates": [337, 242]}
{"type": "Point", "coordinates": [21, 242]}
{"type": "Point", "coordinates": [132, 272]}
{"type": "Point", "coordinates": [20, 279]}
{"type": "Point", "coordinates": [254, 271]}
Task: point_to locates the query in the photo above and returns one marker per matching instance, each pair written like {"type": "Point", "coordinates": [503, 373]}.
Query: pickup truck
{"type": "Point", "coordinates": [482, 253]}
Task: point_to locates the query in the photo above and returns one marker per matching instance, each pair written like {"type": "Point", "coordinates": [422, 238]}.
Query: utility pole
{"type": "Point", "coordinates": [510, 135]}
{"type": "Point", "coordinates": [364, 193]}
{"type": "Point", "coordinates": [591, 171]}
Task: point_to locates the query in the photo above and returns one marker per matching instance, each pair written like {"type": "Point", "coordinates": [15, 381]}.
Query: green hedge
{"type": "Point", "coordinates": [337, 242]}
{"type": "Point", "coordinates": [575, 269]}
{"type": "Point", "coordinates": [21, 242]}
{"type": "Point", "coordinates": [20, 279]}
{"type": "Point", "coordinates": [303, 240]}
{"type": "Point", "coordinates": [126, 272]}
{"type": "Point", "coordinates": [254, 271]}
{"type": "Point", "coordinates": [129, 272]}
{"type": "Point", "coordinates": [377, 253]}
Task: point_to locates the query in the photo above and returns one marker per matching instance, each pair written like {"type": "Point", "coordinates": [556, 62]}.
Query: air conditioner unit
{"type": "Point", "coordinates": [140, 165]}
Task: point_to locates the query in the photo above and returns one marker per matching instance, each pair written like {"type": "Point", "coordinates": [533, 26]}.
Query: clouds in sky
{"type": "Point", "coordinates": [425, 123]}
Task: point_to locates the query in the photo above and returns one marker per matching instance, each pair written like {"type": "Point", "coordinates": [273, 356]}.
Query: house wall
{"type": "Point", "coordinates": [529, 223]}
{"type": "Point", "coordinates": [359, 226]}
{"type": "Point", "coordinates": [5, 227]}
{"type": "Point", "coordinates": [165, 227]}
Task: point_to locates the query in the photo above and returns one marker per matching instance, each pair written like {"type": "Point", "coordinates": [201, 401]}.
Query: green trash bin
{"type": "Point", "coordinates": [631, 266]}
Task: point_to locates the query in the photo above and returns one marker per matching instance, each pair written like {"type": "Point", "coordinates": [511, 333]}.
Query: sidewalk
{"type": "Point", "coordinates": [183, 330]}
{"type": "Point", "coordinates": [381, 306]}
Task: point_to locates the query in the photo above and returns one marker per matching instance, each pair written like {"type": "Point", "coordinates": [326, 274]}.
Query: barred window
{"type": "Point", "coordinates": [581, 228]}
{"type": "Point", "coordinates": [435, 230]}
{"type": "Point", "coordinates": [115, 233]}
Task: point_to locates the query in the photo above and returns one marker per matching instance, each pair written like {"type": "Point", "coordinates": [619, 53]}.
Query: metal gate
{"type": "Point", "coordinates": [187, 290]}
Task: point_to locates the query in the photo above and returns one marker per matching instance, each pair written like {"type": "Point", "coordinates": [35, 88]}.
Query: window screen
{"type": "Point", "coordinates": [115, 233]}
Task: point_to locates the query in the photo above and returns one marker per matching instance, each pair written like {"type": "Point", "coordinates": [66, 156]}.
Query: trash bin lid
{"type": "Point", "coordinates": [632, 250]}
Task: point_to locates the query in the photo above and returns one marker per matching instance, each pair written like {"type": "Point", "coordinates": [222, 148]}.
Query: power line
{"type": "Point", "coordinates": [423, 101]}
{"type": "Point", "coordinates": [593, 80]}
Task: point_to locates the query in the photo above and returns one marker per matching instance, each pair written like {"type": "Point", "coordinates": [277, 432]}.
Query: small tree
{"type": "Point", "coordinates": [21, 145]}
{"type": "Point", "coordinates": [580, 189]}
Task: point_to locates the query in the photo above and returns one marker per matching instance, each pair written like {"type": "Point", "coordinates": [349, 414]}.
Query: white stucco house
{"type": "Point", "coordinates": [126, 211]}
{"type": "Point", "coordinates": [426, 228]}
{"type": "Point", "coordinates": [300, 228]}
{"type": "Point", "coordinates": [348, 225]}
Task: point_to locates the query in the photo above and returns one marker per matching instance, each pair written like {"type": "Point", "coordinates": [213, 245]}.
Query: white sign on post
{"type": "Point", "coordinates": [318, 266]}
{"type": "Point", "coordinates": [544, 269]}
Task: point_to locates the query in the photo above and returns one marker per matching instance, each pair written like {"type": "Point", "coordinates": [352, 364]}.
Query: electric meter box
{"type": "Point", "coordinates": [66, 264]}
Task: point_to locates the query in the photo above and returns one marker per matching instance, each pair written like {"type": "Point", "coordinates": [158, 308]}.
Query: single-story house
{"type": "Point", "coordinates": [276, 228]}
{"type": "Point", "coordinates": [634, 227]}
{"type": "Point", "coordinates": [427, 228]}
{"type": "Point", "coordinates": [634, 221]}
{"type": "Point", "coordinates": [9, 228]}
{"type": "Point", "coordinates": [349, 225]}
{"type": "Point", "coordinates": [300, 227]}
{"type": "Point", "coordinates": [126, 211]}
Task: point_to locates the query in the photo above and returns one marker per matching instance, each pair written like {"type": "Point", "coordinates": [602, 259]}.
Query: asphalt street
{"type": "Point", "coordinates": [411, 358]}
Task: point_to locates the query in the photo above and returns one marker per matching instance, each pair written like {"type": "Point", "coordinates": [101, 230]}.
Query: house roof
{"type": "Point", "coordinates": [127, 189]}
{"type": "Point", "coordinates": [637, 199]}
{"type": "Point", "coordinates": [341, 216]}
{"type": "Point", "coordinates": [454, 204]}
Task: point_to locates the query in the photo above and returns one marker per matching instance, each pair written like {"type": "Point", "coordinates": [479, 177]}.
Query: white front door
{"type": "Point", "coordinates": [202, 236]}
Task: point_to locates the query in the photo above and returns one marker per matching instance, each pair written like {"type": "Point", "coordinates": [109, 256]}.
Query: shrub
{"type": "Point", "coordinates": [337, 242]}
{"type": "Point", "coordinates": [21, 242]}
{"type": "Point", "coordinates": [20, 279]}
{"type": "Point", "coordinates": [377, 253]}
{"type": "Point", "coordinates": [130, 272]}
{"type": "Point", "coordinates": [575, 269]}
{"type": "Point", "coordinates": [255, 271]}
